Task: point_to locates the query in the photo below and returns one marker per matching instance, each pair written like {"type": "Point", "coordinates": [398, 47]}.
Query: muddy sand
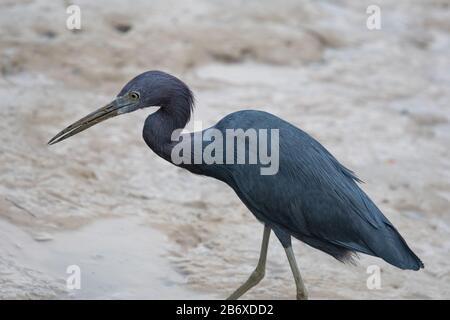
{"type": "Point", "coordinates": [140, 228]}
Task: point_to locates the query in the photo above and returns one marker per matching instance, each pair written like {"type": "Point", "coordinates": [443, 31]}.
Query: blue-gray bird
{"type": "Point", "coordinates": [312, 197]}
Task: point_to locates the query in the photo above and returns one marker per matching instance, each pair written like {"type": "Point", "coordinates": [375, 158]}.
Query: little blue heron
{"type": "Point", "coordinates": [312, 197]}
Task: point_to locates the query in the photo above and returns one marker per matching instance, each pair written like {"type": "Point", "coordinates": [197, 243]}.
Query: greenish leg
{"type": "Point", "coordinates": [260, 270]}
{"type": "Point", "coordinates": [302, 294]}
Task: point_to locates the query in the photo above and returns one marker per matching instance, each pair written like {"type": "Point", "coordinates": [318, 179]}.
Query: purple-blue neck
{"type": "Point", "coordinates": [160, 125]}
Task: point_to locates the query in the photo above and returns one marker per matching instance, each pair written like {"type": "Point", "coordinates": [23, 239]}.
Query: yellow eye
{"type": "Point", "coordinates": [134, 95]}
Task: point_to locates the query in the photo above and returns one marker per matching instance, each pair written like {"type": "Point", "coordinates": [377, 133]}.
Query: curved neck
{"type": "Point", "coordinates": [160, 125]}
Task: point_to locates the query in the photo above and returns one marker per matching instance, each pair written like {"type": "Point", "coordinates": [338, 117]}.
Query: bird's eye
{"type": "Point", "coordinates": [134, 95]}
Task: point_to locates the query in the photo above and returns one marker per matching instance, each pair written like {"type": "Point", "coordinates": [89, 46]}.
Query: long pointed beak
{"type": "Point", "coordinates": [110, 110]}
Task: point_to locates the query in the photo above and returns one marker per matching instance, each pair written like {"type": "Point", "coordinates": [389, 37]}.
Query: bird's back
{"type": "Point", "coordinates": [312, 196]}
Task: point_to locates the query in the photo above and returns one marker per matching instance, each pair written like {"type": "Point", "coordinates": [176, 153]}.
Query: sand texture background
{"type": "Point", "coordinates": [139, 227]}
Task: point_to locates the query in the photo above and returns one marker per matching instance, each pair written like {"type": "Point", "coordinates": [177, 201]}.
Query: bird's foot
{"type": "Point", "coordinates": [302, 295]}
{"type": "Point", "coordinates": [252, 281]}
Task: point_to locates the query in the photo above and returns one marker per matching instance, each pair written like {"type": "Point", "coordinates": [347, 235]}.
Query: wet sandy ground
{"type": "Point", "coordinates": [133, 267]}
{"type": "Point", "coordinates": [141, 228]}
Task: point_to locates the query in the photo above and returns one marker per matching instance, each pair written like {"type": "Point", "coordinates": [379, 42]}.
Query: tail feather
{"type": "Point", "coordinates": [397, 252]}
{"type": "Point", "coordinates": [388, 244]}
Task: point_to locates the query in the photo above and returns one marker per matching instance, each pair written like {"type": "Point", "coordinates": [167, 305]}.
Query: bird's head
{"type": "Point", "coordinates": [151, 88]}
